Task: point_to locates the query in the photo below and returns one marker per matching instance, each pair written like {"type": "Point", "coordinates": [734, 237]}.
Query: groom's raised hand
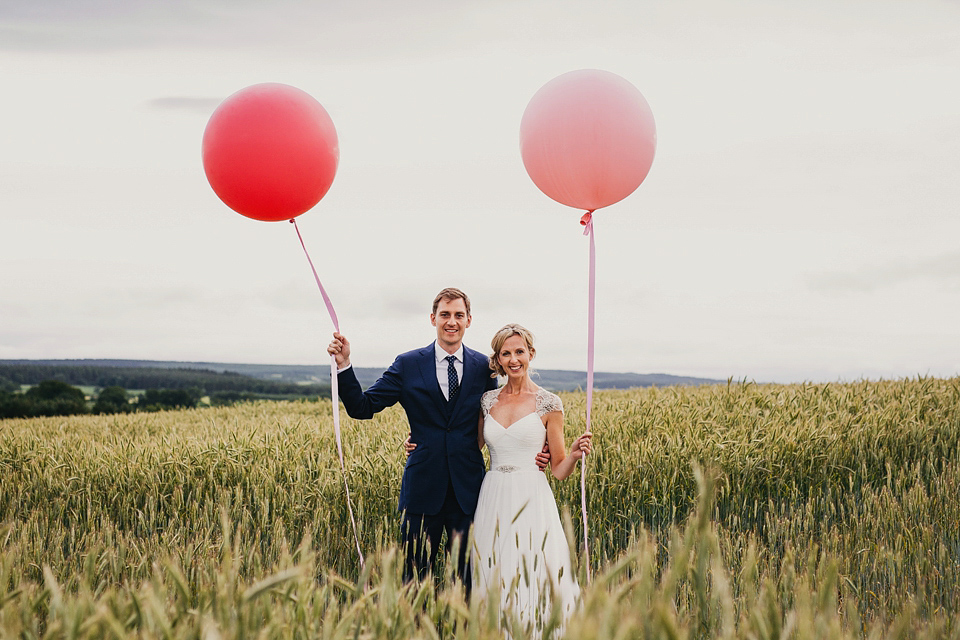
{"type": "Point", "coordinates": [339, 348]}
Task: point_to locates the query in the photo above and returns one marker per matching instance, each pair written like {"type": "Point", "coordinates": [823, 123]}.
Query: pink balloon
{"type": "Point", "coordinates": [587, 138]}
{"type": "Point", "coordinates": [270, 151]}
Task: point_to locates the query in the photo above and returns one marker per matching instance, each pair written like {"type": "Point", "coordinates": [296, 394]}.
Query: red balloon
{"type": "Point", "coordinates": [270, 151]}
{"type": "Point", "coordinates": [587, 138]}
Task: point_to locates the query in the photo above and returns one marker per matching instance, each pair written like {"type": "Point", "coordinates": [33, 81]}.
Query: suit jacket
{"type": "Point", "coordinates": [445, 432]}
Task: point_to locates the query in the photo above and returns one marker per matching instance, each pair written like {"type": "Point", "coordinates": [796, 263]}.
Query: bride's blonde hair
{"type": "Point", "coordinates": [501, 336]}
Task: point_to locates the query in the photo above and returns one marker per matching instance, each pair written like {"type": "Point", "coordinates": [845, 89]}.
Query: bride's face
{"type": "Point", "coordinates": [514, 357]}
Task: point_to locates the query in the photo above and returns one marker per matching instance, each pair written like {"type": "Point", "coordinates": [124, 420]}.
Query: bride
{"type": "Point", "coordinates": [519, 548]}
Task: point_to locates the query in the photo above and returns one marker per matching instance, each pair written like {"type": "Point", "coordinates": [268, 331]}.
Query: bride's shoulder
{"type": "Point", "coordinates": [487, 400]}
{"type": "Point", "coordinates": [548, 402]}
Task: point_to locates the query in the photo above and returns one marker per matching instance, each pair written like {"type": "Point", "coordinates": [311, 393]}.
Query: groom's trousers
{"type": "Point", "coordinates": [422, 535]}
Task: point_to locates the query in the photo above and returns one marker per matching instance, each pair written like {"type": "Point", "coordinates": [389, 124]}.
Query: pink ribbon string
{"type": "Point", "coordinates": [587, 222]}
{"type": "Point", "coordinates": [323, 292]}
{"type": "Point", "coordinates": [334, 392]}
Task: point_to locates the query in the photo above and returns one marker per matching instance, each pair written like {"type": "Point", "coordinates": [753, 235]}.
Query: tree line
{"type": "Point", "coordinates": [52, 392]}
{"type": "Point", "coordinates": [150, 378]}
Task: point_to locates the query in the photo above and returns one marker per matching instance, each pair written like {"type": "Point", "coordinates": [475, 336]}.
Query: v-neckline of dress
{"type": "Point", "coordinates": [505, 428]}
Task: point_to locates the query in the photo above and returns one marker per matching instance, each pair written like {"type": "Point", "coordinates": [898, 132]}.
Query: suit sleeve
{"type": "Point", "coordinates": [491, 379]}
{"type": "Point", "coordinates": [385, 392]}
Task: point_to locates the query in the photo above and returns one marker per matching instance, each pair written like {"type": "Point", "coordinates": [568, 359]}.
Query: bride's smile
{"type": "Point", "coordinates": [514, 357]}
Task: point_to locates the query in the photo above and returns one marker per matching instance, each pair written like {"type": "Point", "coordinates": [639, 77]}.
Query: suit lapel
{"type": "Point", "coordinates": [428, 369]}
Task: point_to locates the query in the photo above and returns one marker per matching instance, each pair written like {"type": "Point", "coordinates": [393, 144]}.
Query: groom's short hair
{"type": "Point", "coordinates": [448, 294]}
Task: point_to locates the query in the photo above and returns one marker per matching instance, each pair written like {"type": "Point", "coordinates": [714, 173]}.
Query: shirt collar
{"type": "Point", "coordinates": [441, 355]}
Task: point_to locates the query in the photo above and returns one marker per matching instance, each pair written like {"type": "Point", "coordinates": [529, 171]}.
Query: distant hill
{"type": "Point", "coordinates": [140, 374]}
{"type": "Point", "coordinates": [553, 379]}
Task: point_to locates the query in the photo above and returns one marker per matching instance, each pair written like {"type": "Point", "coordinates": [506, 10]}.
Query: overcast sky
{"type": "Point", "coordinates": [801, 220]}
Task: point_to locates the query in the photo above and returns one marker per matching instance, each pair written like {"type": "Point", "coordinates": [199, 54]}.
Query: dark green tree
{"type": "Point", "coordinates": [6, 384]}
{"type": "Point", "coordinates": [112, 400]}
{"type": "Point", "coordinates": [158, 399]}
{"type": "Point", "coordinates": [56, 398]}
{"type": "Point", "coordinates": [15, 405]}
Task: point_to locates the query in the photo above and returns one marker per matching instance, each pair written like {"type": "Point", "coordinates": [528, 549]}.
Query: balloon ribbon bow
{"type": "Point", "coordinates": [334, 391]}
{"type": "Point", "coordinates": [587, 222]}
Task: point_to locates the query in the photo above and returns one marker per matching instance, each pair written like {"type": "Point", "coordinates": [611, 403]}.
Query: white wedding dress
{"type": "Point", "coordinates": [518, 541]}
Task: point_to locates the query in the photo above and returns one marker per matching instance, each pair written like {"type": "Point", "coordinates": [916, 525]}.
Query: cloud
{"type": "Point", "coordinates": [944, 269]}
{"type": "Point", "coordinates": [95, 25]}
{"type": "Point", "coordinates": [110, 25]}
{"type": "Point", "coordinates": [193, 104]}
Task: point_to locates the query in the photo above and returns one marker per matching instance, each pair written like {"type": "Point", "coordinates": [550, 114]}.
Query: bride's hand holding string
{"type": "Point", "coordinates": [581, 446]}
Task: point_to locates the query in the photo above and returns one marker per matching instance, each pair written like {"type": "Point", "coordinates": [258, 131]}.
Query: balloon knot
{"type": "Point", "coordinates": [587, 222]}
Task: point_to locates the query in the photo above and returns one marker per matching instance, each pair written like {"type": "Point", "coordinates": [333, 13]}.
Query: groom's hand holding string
{"type": "Point", "coordinates": [339, 348]}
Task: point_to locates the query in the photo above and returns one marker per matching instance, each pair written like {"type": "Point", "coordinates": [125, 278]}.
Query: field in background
{"type": "Point", "coordinates": [824, 510]}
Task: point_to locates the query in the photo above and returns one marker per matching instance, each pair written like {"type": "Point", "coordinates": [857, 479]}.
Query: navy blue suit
{"type": "Point", "coordinates": [447, 459]}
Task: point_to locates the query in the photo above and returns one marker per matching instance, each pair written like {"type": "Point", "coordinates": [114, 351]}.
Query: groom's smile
{"type": "Point", "coordinates": [451, 320]}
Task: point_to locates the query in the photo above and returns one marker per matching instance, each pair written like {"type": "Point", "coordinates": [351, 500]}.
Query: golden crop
{"type": "Point", "coordinates": [828, 510]}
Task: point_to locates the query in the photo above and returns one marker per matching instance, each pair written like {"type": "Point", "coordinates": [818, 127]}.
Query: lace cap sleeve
{"type": "Point", "coordinates": [547, 402]}
{"type": "Point", "coordinates": [487, 400]}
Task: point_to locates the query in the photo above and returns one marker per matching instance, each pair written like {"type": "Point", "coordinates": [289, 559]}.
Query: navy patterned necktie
{"type": "Point", "coordinates": [452, 381]}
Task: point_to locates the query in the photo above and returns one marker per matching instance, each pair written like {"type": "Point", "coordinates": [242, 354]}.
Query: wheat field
{"type": "Point", "coordinates": [730, 511]}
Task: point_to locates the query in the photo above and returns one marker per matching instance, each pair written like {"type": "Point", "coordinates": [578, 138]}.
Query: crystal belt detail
{"type": "Point", "coordinates": [507, 468]}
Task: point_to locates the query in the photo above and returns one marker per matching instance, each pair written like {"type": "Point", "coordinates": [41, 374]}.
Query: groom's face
{"type": "Point", "coordinates": [451, 321]}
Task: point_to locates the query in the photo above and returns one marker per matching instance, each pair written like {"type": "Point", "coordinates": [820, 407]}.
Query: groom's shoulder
{"type": "Point", "coordinates": [472, 353]}
{"type": "Point", "coordinates": [417, 353]}
{"type": "Point", "coordinates": [481, 359]}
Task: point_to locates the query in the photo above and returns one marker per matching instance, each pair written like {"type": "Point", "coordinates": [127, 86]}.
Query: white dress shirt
{"type": "Point", "coordinates": [441, 357]}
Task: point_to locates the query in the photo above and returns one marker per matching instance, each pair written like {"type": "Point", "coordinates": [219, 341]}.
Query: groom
{"type": "Point", "coordinates": [439, 388]}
